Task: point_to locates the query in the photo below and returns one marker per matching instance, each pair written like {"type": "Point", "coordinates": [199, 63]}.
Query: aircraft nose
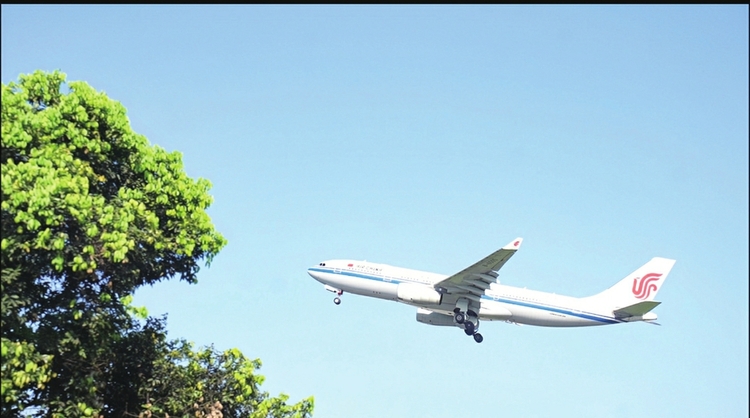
{"type": "Point", "coordinates": [319, 272]}
{"type": "Point", "coordinates": [314, 274]}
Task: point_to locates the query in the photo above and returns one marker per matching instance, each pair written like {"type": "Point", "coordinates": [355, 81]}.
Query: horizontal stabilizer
{"type": "Point", "coordinates": [639, 309]}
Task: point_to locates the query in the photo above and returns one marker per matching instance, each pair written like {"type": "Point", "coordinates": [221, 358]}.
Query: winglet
{"type": "Point", "coordinates": [514, 245]}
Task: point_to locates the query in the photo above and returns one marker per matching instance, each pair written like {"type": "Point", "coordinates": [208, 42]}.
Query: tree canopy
{"type": "Point", "coordinates": [90, 212]}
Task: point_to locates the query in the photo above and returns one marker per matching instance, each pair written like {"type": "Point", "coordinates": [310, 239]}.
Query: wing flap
{"type": "Point", "coordinates": [470, 289]}
{"type": "Point", "coordinates": [479, 284]}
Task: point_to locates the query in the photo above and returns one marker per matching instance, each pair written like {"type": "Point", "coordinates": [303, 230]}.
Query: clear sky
{"type": "Point", "coordinates": [428, 137]}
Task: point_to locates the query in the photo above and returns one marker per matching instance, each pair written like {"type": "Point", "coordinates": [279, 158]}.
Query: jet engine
{"type": "Point", "coordinates": [418, 294]}
{"type": "Point", "coordinates": [426, 316]}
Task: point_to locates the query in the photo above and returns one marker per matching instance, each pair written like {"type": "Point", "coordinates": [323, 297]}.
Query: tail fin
{"type": "Point", "coordinates": [639, 286]}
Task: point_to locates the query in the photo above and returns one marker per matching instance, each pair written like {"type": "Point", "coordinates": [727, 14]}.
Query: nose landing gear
{"type": "Point", "coordinates": [338, 292]}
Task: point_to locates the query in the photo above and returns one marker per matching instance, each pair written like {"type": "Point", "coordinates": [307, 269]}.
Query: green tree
{"type": "Point", "coordinates": [90, 212]}
{"type": "Point", "coordinates": [209, 383]}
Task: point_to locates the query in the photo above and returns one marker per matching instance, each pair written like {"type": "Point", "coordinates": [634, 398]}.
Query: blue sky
{"type": "Point", "coordinates": [428, 137]}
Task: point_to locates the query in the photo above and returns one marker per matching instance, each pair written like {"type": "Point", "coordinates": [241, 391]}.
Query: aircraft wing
{"type": "Point", "coordinates": [475, 279]}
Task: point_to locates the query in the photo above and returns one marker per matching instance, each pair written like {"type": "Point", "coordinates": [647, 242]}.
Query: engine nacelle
{"type": "Point", "coordinates": [419, 294]}
{"type": "Point", "coordinates": [434, 318]}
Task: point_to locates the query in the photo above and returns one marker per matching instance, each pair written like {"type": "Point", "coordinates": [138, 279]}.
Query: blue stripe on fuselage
{"type": "Point", "coordinates": [586, 315]}
{"type": "Point", "coordinates": [589, 316]}
{"type": "Point", "coordinates": [354, 274]}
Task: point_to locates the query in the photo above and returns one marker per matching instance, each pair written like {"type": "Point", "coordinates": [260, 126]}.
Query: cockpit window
{"type": "Point", "coordinates": [322, 264]}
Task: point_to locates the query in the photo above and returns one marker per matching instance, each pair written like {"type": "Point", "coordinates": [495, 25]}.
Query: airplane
{"type": "Point", "coordinates": [473, 294]}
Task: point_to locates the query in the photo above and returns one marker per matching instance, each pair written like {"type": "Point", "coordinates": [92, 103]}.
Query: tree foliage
{"type": "Point", "coordinates": [90, 212]}
{"type": "Point", "coordinates": [205, 382]}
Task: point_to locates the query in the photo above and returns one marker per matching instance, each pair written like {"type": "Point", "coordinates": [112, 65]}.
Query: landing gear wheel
{"type": "Point", "coordinates": [460, 318]}
{"type": "Point", "coordinates": [469, 327]}
{"type": "Point", "coordinates": [337, 301]}
{"type": "Point", "coordinates": [469, 333]}
{"type": "Point", "coordinates": [478, 337]}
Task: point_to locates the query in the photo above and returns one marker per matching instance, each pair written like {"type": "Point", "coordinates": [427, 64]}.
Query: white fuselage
{"type": "Point", "coordinates": [499, 302]}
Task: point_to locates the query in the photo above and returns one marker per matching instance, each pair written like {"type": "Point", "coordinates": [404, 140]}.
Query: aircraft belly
{"type": "Point", "coordinates": [493, 311]}
{"type": "Point", "coordinates": [548, 318]}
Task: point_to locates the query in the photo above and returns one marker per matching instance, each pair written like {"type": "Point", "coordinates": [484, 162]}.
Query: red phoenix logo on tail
{"type": "Point", "coordinates": [643, 286]}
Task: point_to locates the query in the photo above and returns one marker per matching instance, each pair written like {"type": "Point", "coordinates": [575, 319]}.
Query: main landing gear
{"type": "Point", "coordinates": [470, 322]}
